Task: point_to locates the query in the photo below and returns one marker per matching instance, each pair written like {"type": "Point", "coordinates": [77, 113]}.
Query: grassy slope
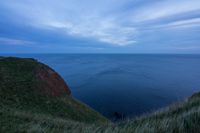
{"type": "Point", "coordinates": [19, 92]}
{"type": "Point", "coordinates": [181, 117]}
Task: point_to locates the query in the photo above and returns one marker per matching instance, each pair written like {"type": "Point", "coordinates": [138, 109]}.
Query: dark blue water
{"type": "Point", "coordinates": [129, 84]}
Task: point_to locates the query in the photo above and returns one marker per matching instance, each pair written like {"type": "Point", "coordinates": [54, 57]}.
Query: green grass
{"type": "Point", "coordinates": [179, 118]}
{"type": "Point", "coordinates": [20, 90]}
{"type": "Point", "coordinates": [33, 113]}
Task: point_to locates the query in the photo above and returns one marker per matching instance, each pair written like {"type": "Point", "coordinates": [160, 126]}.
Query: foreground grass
{"type": "Point", "coordinates": [13, 120]}
{"type": "Point", "coordinates": [179, 118]}
{"type": "Point", "coordinates": [23, 110]}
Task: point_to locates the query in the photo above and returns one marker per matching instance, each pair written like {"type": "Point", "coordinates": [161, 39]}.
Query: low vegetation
{"type": "Point", "coordinates": [21, 90]}
{"type": "Point", "coordinates": [22, 109]}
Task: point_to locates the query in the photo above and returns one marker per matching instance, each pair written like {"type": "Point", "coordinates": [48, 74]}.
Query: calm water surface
{"type": "Point", "coordinates": [129, 84]}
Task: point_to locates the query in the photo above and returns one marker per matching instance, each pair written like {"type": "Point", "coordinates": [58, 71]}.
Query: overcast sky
{"type": "Point", "coordinates": [103, 26]}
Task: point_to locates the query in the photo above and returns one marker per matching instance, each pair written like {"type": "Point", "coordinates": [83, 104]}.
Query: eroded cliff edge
{"type": "Point", "coordinates": [33, 87]}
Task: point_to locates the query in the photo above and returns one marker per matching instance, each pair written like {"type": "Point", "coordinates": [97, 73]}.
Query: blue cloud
{"type": "Point", "coordinates": [115, 26]}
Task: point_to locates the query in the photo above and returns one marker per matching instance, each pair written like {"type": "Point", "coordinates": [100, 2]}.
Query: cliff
{"type": "Point", "coordinates": [53, 84]}
{"type": "Point", "coordinates": [32, 87]}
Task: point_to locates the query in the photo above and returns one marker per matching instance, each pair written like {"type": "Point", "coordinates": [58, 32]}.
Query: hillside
{"type": "Point", "coordinates": [32, 87]}
{"type": "Point", "coordinates": [29, 103]}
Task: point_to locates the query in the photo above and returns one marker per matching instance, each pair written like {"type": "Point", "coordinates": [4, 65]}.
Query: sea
{"type": "Point", "coordinates": [126, 85]}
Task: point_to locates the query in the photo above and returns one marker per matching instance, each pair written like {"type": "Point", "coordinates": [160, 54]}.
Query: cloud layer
{"type": "Point", "coordinates": [119, 23]}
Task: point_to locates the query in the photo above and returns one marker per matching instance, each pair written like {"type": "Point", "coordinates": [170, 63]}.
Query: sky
{"type": "Point", "coordinates": [100, 26]}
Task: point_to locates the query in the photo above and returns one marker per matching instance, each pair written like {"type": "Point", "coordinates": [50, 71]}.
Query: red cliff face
{"type": "Point", "coordinates": [52, 82]}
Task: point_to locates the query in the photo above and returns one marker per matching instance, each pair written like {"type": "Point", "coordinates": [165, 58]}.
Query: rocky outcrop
{"type": "Point", "coordinates": [52, 82]}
